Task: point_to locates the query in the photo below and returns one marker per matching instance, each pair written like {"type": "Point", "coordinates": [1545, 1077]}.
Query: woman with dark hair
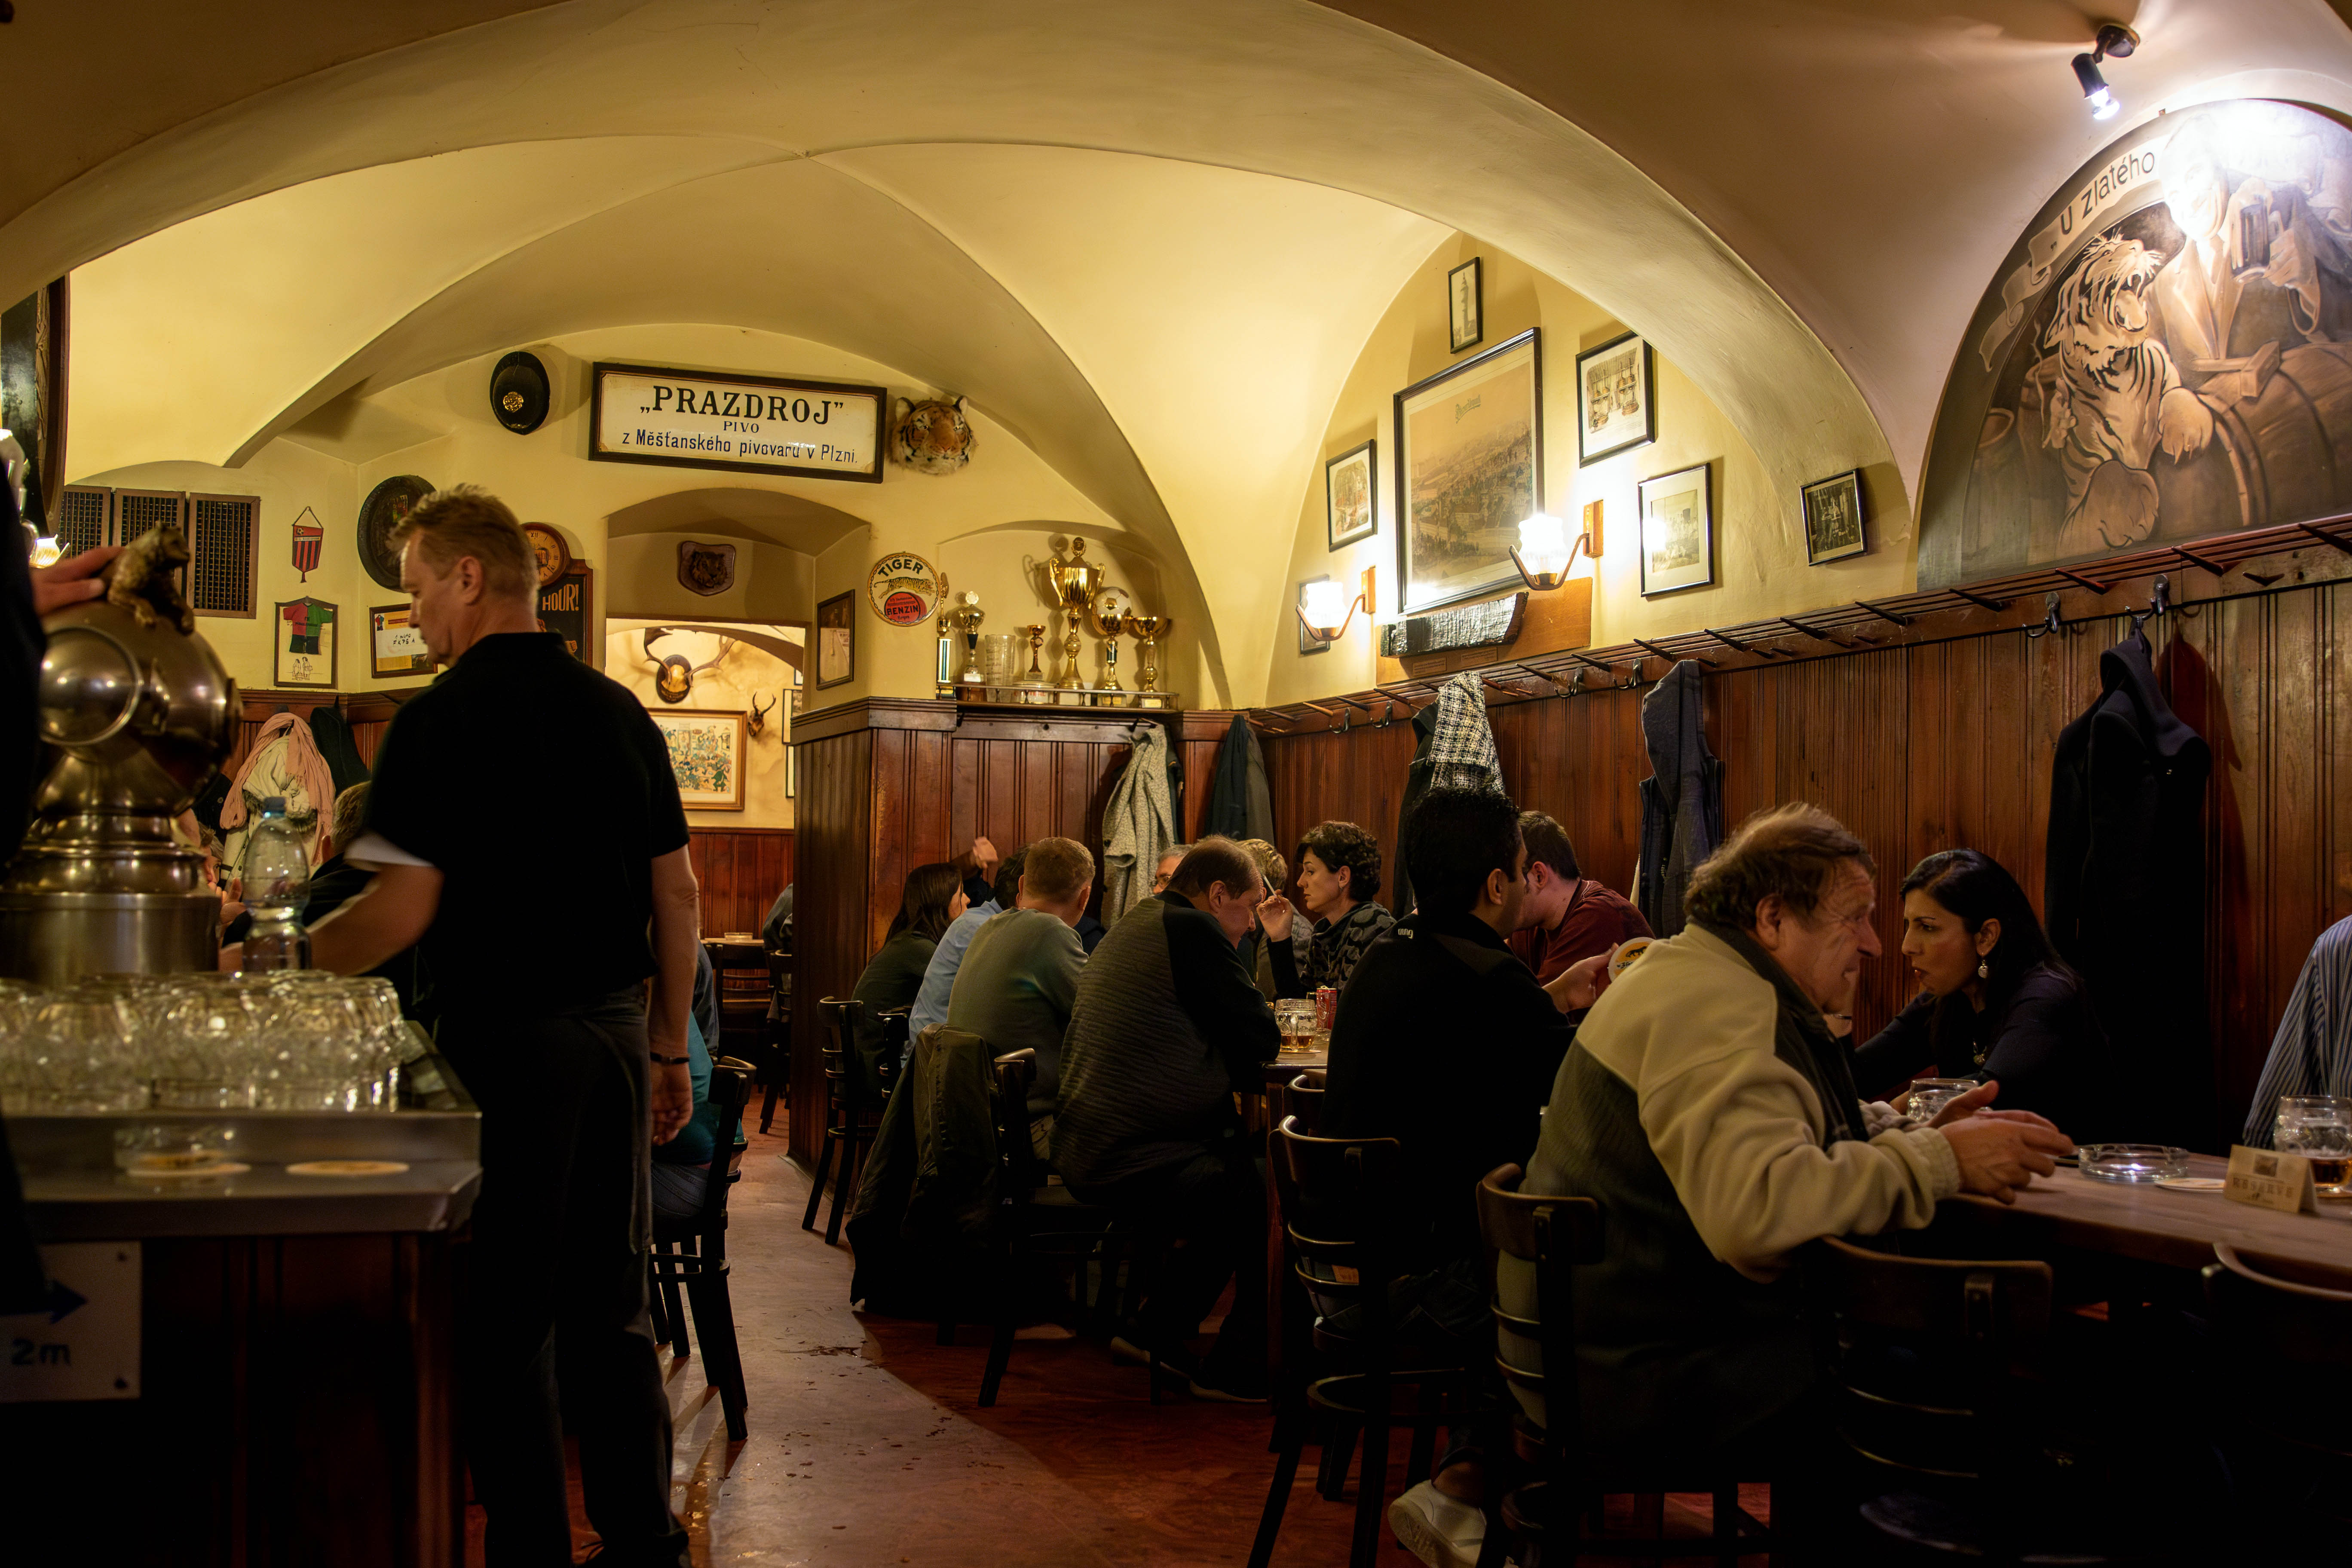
{"type": "Point", "coordinates": [933, 899]}
{"type": "Point", "coordinates": [1339, 872]}
{"type": "Point", "coordinates": [1996, 1001]}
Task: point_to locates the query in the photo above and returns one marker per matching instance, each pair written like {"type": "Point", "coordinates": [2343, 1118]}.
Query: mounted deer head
{"type": "Point", "coordinates": [673, 674]}
{"type": "Point", "coordinates": [757, 719]}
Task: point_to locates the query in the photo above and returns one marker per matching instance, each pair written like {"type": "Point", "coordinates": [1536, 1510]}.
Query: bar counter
{"type": "Point", "coordinates": [288, 1394]}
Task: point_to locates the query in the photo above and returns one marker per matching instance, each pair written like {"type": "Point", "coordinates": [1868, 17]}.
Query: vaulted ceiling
{"type": "Point", "coordinates": [1136, 234]}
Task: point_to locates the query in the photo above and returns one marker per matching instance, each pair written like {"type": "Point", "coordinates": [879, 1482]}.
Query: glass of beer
{"type": "Point", "coordinates": [1930, 1095]}
{"type": "Point", "coordinates": [2319, 1128]}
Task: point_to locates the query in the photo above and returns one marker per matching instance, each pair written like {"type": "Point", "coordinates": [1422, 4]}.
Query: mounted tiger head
{"type": "Point", "coordinates": [931, 436]}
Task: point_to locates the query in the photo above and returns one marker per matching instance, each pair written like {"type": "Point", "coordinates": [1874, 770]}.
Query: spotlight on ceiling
{"type": "Point", "coordinates": [2115, 42]}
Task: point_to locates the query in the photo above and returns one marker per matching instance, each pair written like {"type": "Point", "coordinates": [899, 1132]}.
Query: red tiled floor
{"type": "Point", "coordinates": [868, 1446]}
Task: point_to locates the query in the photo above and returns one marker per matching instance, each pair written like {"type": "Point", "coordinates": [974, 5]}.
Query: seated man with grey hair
{"type": "Point", "coordinates": [1711, 1109]}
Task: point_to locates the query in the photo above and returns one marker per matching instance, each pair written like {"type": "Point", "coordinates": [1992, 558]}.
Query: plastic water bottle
{"type": "Point", "coordinates": [277, 886]}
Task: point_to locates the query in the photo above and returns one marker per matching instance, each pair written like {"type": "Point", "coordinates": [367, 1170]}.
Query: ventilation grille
{"type": "Point", "coordinates": [221, 541]}
{"type": "Point", "coordinates": [137, 512]}
{"type": "Point", "coordinates": [81, 519]}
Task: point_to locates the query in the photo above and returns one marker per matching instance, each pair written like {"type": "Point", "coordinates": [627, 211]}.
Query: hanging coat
{"type": "Point", "coordinates": [283, 761]}
{"type": "Point", "coordinates": [2123, 892]}
{"type": "Point", "coordinates": [1682, 801]}
{"type": "Point", "coordinates": [1416, 784]}
{"type": "Point", "coordinates": [1240, 805]}
{"type": "Point", "coordinates": [1139, 824]}
{"type": "Point", "coordinates": [1462, 750]}
{"type": "Point", "coordinates": [921, 1220]}
{"type": "Point", "coordinates": [331, 734]}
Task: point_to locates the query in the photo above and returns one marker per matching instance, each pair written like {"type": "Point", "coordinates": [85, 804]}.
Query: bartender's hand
{"type": "Point", "coordinates": [673, 1100]}
{"type": "Point", "coordinates": [1998, 1155]}
{"type": "Point", "coordinates": [72, 580]}
{"type": "Point", "coordinates": [1580, 984]}
{"type": "Point", "coordinates": [1274, 916]}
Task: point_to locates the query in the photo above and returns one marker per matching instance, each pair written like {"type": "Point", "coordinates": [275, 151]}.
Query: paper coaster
{"type": "Point", "coordinates": [346, 1168]}
{"type": "Point", "coordinates": [2191, 1183]}
{"type": "Point", "coordinates": [187, 1173]}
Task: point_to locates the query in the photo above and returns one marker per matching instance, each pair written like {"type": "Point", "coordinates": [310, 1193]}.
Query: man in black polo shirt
{"type": "Point", "coordinates": [1447, 1043]}
{"type": "Point", "coordinates": [526, 829]}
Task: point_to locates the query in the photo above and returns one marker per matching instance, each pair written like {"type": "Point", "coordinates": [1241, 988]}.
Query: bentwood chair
{"type": "Point", "coordinates": [848, 1133]}
{"type": "Point", "coordinates": [692, 1253]}
{"type": "Point", "coordinates": [1552, 1235]}
{"type": "Point", "coordinates": [2284, 1363]}
{"type": "Point", "coordinates": [1339, 1200]}
{"type": "Point", "coordinates": [1302, 1100]}
{"type": "Point", "coordinates": [1036, 1219]}
{"type": "Point", "coordinates": [775, 1052]}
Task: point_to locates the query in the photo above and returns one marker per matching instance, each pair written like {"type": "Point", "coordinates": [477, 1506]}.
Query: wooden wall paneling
{"type": "Point", "coordinates": [1199, 737]}
{"type": "Point", "coordinates": [834, 849]}
{"type": "Point", "coordinates": [740, 872]}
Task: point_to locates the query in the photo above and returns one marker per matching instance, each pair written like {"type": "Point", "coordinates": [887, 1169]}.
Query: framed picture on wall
{"type": "Point", "coordinates": [1465, 306]}
{"type": "Point", "coordinates": [1350, 505]}
{"type": "Point", "coordinates": [1469, 471]}
{"type": "Point", "coordinates": [1833, 518]}
{"type": "Point", "coordinates": [394, 648]}
{"type": "Point", "coordinates": [706, 753]}
{"type": "Point", "coordinates": [1616, 409]}
{"type": "Point", "coordinates": [1307, 641]}
{"type": "Point", "coordinates": [305, 645]}
{"type": "Point", "coordinates": [1677, 531]}
{"type": "Point", "coordinates": [836, 640]}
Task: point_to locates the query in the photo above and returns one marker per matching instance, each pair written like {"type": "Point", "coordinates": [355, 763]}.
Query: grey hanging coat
{"type": "Point", "coordinates": [1682, 801]}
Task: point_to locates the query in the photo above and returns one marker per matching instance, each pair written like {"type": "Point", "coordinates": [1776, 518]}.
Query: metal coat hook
{"type": "Point", "coordinates": [2159, 604]}
{"type": "Point", "coordinates": [2050, 621]}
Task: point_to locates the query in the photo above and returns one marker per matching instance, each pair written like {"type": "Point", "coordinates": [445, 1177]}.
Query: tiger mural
{"type": "Point", "coordinates": [2116, 397]}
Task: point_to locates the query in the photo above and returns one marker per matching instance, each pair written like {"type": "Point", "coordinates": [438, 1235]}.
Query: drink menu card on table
{"type": "Point", "coordinates": [2271, 1180]}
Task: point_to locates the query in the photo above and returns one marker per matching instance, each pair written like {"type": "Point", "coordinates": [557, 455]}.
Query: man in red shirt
{"type": "Point", "coordinates": [1567, 916]}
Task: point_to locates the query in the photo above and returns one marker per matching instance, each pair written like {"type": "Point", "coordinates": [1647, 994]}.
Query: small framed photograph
{"type": "Point", "coordinates": [1465, 306]}
{"type": "Point", "coordinates": [1350, 510]}
{"type": "Point", "coordinates": [836, 640]}
{"type": "Point", "coordinates": [1833, 518]}
{"type": "Point", "coordinates": [1307, 641]}
{"type": "Point", "coordinates": [1677, 531]}
{"type": "Point", "coordinates": [1615, 408]}
{"type": "Point", "coordinates": [395, 647]}
{"type": "Point", "coordinates": [306, 644]}
{"type": "Point", "coordinates": [706, 753]}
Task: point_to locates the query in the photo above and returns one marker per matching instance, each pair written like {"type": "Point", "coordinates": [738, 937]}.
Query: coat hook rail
{"type": "Point", "coordinates": [2326, 538]}
{"type": "Point", "coordinates": [1882, 615]}
{"type": "Point", "coordinates": [2199, 562]}
{"type": "Point", "coordinates": [1752, 649]}
{"type": "Point", "coordinates": [1796, 625]}
{"type": "Point", "coordinates": [1980, 601]}
{"type": "Point", "coordinates": [1671, 658]}
{"type": "Point", "coordinates": [2050, 621]}
{"type": "Point", "coordinates": [2082, 582]}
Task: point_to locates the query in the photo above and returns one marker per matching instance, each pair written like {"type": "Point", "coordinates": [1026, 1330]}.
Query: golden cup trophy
{"type": "Point", "coordinates": [1107, 616]}
{"type": "Point", "coordinates": [1147, 631]}
{"type": "Point", "coordinates": [1074, 583]}
{"type": "Point", "coordinates": [966, 618]}
{"type": "Point", "coordinates": [1035, 676]}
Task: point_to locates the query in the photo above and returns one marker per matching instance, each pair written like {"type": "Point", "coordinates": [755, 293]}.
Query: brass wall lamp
{"type": "Point", "coordinates": [1326, 615]}
{"type": "Point", "coordinates": [1545, 554]}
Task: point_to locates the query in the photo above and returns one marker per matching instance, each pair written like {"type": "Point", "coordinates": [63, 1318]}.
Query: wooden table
{"type": "Point", "coordinates": [2159, 1225]}
{"type": "Point", "coordinates": [736, 952]}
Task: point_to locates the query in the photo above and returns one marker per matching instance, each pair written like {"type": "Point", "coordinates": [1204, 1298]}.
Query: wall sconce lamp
{"type": "Point", "coordinates": [1326, 615]}
{"type": "Point", "coordinates": [2115, 42]}
{"type": "Point", "coordinates": [1545, 554]}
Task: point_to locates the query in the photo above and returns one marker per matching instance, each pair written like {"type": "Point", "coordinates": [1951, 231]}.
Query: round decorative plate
{"type": "Point", "coordinates": [554, 555]}
{"type": "Point", "coordinates": [518, 392]}
{"type": "Point", "coordinates": [904, 590]}
{"type": "Point", "coordinates": [382, 511]}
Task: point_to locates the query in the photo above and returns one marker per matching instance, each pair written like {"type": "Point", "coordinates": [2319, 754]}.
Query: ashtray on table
{"type": "Point", "coordinates": [2132, 1162]}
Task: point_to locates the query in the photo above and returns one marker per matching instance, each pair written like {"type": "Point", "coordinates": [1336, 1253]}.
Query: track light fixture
{"type": "Point", "coordinates": [2114, 42]}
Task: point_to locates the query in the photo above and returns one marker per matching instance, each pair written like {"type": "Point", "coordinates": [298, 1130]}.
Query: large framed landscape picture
{"type": "Point", "coordinates": [1469, 470]}
{"type": "Point", "coordinates": [706, 752]}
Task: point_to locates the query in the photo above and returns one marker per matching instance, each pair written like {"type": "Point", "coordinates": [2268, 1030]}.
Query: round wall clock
{"type": "Point", "coordinates": [382, 511]}
{"type": "Point", "coordinates": [554, 556]}
{"type": "Point", "coordinates": [904, 590]}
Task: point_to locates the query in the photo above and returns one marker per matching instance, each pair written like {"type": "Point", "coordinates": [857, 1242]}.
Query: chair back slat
{"type": "Point", "coordinates": [1990, 1304]}
{"type": "Point", "coordinates": [730, 1090]}
{"type": "Point", "coordinates": [1301, 1099]}
{"type": "Point", "coordinates": [1553, 1233]}
{"type": "Point", "coordinates": [1015, 1072]}
{"type": "Point", "coordinates": [1339, 1199]}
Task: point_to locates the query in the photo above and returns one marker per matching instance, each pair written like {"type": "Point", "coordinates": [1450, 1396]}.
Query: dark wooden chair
{"type": "Point", "coordinates": [1302, 1099]}
{"type": "Point", "coordinates": [848, 1130]}
{"type": "Point", "coordinates": [1942, 1373]}
{"type": "Point", "coordinates": [692, 1253]}
{"type": "Point", "coordinates": [1554, 1235]}
{"type": "Point", "coordinates": [1036, 1218]}
{"type": "Point", "coordinates": [1339, 1203]}
{"type": "Point", "coordinates": [775, 1053]}
{"type": "Point", "coordinates": [2283, 1352]}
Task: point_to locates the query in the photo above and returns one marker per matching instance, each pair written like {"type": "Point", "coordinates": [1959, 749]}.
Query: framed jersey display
{"type": "Point", "coordinates": [305, 640]}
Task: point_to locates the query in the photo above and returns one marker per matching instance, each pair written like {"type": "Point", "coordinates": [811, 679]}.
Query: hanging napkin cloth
{"type": "Point", "coordinates": [1682, 801]}
{"type": "Point", "coordinates": [1139, 824]}
{"type": "Point", "coordinates": [284, 760]}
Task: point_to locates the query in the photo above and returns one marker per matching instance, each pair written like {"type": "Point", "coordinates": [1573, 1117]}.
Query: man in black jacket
{"type": "Point", "coordinates": [1166, 1029]}
{"type": "Point", "coordinates": [1447, 1043]}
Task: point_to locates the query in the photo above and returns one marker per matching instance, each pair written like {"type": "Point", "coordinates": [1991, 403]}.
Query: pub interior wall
{"type": "Point", "coordinates": [1760, 568]}
{"type": "Point", "coordinates": [743, 677]}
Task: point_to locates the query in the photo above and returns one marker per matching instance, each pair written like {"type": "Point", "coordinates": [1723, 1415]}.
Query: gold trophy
{"type": "Point", "coordinates": [1147, 631]}
{"type": "Point", "coordinates": [966, 619]}
{"type": "Point", "coordinates": [1036, 677]}
{"type": "Point", "coordinates": [1074, 583]}
{"type": "Point", "coordinates": [1107, 616]}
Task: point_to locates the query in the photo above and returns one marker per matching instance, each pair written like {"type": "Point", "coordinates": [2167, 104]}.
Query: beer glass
{"type": "Point", "coordinates": [2319, 1128]}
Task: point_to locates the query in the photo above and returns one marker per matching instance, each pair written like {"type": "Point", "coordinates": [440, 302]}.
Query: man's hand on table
{"type": "Point", "coordinates": [1999, 1151]}
{"type": "Point", "coordinates": [673, 1100]}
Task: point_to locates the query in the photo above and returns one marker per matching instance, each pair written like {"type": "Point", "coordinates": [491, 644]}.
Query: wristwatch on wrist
{"type": "Point", "coordinates": [670, 1061]}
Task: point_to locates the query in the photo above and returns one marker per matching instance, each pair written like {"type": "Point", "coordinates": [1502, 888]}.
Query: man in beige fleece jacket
{"type": "Point", "coordinates": [1709, 1108]}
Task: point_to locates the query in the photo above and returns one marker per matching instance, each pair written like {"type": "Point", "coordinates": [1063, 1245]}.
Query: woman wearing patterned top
{"type": "Point", "coordinates": [1339, 872]}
